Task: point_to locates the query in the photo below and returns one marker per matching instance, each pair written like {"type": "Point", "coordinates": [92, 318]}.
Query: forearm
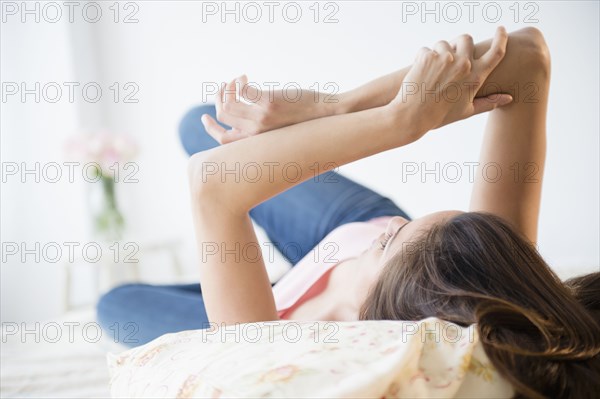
{"type": "Point", "coordinates": [382, 90]}
{"type": "Point", "coordinates": [373, 94]}
{"type": "Point", "coordinates": [243, 174]}
{"type": "Point", "coordinates": [515, 136]}
{"type": "Point", "coordinates": [235, 283]}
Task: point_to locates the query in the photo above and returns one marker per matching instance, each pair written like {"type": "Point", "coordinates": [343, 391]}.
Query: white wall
{"type": "Point", "coordinates": [170, 52]}
{"type": "Point", "coordinates": [31, 132]}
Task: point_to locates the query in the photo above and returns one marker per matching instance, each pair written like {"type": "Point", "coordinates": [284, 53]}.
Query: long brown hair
{"type": "Point", "coordinates": [539, 333]}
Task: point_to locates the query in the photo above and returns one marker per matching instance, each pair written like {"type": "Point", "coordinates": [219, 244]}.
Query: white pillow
{"type": "Point", "coordinates": [429, 358]}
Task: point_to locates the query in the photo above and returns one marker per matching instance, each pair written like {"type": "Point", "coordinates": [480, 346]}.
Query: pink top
{"type": "Point", "coordinates": [345, 242]}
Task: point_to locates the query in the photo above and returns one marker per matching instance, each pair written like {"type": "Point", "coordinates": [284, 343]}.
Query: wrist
{"type": "Point", "coordinates": [335, 104]}
{"type": "Point", "coordinates": [405, 121]}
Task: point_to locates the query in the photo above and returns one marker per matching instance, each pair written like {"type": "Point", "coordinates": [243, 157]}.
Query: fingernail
{"type": "Point", "coordinates": [507, 99]}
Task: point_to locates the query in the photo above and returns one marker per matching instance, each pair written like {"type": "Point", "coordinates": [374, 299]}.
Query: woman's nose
{"type": "Point", "coordinates": [395, 223]}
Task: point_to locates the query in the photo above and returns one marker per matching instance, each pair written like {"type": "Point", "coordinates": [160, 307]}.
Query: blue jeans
{"type": "Point", "coordinates": [295, 221]}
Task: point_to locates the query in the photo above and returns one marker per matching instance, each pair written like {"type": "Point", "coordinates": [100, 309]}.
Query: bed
{"type": "Point", "coordinates": [45, 367]}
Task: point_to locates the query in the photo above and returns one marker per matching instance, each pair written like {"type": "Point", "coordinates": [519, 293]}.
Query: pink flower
{"type": "Point", "coordinates": [102, 147]}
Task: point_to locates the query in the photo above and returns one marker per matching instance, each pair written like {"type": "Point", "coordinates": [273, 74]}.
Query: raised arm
{"type": "Point", "coordinates": [382, 90]}
{"type": "Point", "coordinates": [270, 110]}
{"type": "Point", "coordinates": [511, 164]}
{"type": "Point", "coordinates": [227, 181]}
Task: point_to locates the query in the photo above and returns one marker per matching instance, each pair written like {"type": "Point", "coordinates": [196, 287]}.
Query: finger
{"type": "Point", "coordinates": [491, 102]}
{"type": "Point", "coordinates": [240, 82]}
{"type": "Point", "coordinates": [219, 133]}
{"type": "Point", "coordinates": [240, 116]}
{"type": "Point", "coordinates": [230, 104]}
{"type": "Point", "coordinates": [243, 80]}
{"type": "Point", "coordinates": [423, 51]}
{"type": "Point", "coordinates": [251, 93]}
{"type": "Point", "coordinates": [230, 95]}
{"type": "Point", "coordinates": [219, 100]}
{"type": "Point", "coordinates": [491, 58]}
{"type": "Point", "coordinates": [239, 108]}
{"type": "Point", "coordinates": [211, 126]}
{"type": "Point", "coordinates": [464, 46]}
{"type": "Point", "coordinates": [444, 49]}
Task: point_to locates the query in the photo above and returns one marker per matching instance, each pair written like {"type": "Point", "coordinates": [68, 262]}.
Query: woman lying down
{"type": "Point", "coordinates": [479, 266]}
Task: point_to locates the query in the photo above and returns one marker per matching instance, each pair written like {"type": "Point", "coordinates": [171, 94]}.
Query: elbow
{"type": "Point", "coordinates": [202, 180]}
{"type": "Point", "coordinates": [210, 193]}
{"type": "Point", "coordinates": [534, 51]}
